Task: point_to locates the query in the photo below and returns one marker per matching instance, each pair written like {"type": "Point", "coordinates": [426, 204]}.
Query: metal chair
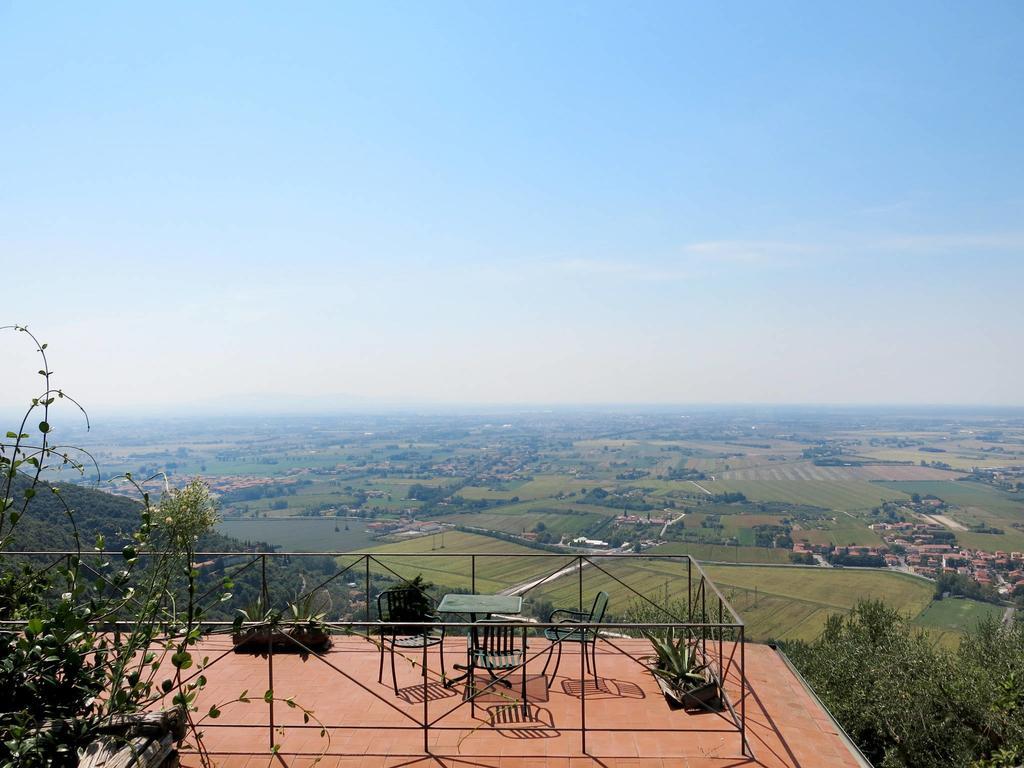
{"type": "Point", "coordinates": [558, 635]}
{"type": "Point", "coordinates": [497, 649]}
{"type": "Point", "coordinates": [405, 604]}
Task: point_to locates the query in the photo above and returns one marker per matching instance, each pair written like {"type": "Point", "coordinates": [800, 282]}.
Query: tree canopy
{"type": "Point", "coordinates": [909, 703]}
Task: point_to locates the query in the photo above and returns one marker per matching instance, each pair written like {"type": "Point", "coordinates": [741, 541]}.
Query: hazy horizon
{"type": "Point", "coordinates": [482, 205]}
{"type": "Point", "coordinates": [245, 410]}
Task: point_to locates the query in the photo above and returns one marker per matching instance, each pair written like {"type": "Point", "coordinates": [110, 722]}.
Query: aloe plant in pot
{"type": "Point", "coordinates": [298, 628]}
{"type": "Point", "coordinates": [680, 674]}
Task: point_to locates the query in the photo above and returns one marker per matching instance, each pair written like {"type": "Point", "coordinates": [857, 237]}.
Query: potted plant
{"type": "Point", "coordinates": [305, 619]}
{"type": "Point", "coordinates": [300, 627]}
{"type": "Point", "coordinates": [682, 677]}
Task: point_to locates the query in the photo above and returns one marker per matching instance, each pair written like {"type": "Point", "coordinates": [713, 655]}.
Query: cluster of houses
{"type": "Point", "coordinates": [929, 550]}
{"type": "Point", "coordinates": [405, 526]}
{"type": "Point", "coordinates": [652, 518]}
{"type": "Point", "coordinates": [1006, 478]}
{"type": "Point", "coordinates": [487, 467]}
{"type": "Point", "coordinates": [239, 483]}
{"type": "Point", "coordinates": [1003, 570]}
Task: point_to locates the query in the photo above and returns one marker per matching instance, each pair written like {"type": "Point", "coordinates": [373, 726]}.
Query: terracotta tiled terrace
{"type": "Point", "coordinates": [628, 722]}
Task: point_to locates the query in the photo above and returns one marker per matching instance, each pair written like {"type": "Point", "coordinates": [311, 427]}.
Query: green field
{"type": "Point", "coordinates": [949, 457]}
{"type": "Point", "coordinates": [558, 516]}
{"type": "Point", "coordinates": [742, 526]}
{"type": "Point", "coordinates": [957, 614]}
{"type": "Point", "coordinates": [525, 520]}
{"type": "Point", "coordinates": [793, 603]}
{"type": "Point", "coordinates": [842, 530]}
{"type": "Point", "coordinates": [769, 617]}
{"type": "Point", "coordinates": [723, 553]}
{"type": "Point", "coordinates": [650, 578]}
{"type": "Point", "coordinates": [540, 487]}
{"type": "Point", "coordinates": [963, 493]}
{"type": "Point", "coordinates": [301, 534]}
{"type": "Point", "coordinates": [827, 494]}
{"type": "Point", "coordinates": [505, 493]}
{"type": "Point", "coordinates": [439, 564]}
{"type": "Point", "coordinates": [775, 602]}
{"type": "Point", "coordinates": [833, 587]}
{"type": "Point", "coordinates": [624, 580]}
{"type": "Point", "coordinates": [794, 606]}
{"type": "Point", "coordinates": [306, 498]}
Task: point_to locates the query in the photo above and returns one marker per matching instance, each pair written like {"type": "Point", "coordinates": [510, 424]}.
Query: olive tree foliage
{"type": "Point", "coordinates": [994, 654]}
{"type": "Point", "coordinates": [909, 703]}
{"type": "Point", "coordinates": [93, 635]}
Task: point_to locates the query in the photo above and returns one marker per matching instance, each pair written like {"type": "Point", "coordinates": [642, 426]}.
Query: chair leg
{"type": "Point", "coordinates": [526, 707]}
{"type": "Point", "coordinates": [380, 667]}
{"type": "Point", "coordinates": [495, 678]}
{"type": "Point", "coordinates": [558, 661]}
{"type": "Point", "coordinates": [551, 652]}
{"type": "Point", "coordinates": [586, 656]}
{"type": "Point", "coordinates": [593, 659]}
{"type": "Point", "coordinates": [471, 690]}
{"type": "Point", "coordinates": [444, 675]}
{"type": "Point", "coordinates": [394, 677]}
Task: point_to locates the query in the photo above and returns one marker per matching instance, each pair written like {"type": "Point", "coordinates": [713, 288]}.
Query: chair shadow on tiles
{"type": "Point", "coordinates": [602, 688]}
{"type": "Point", "coordinates": [509, 689]}
{"type": "Point", "coordinates": [512, 722]}
{"type": "Point", "coordinates": [435, 691]}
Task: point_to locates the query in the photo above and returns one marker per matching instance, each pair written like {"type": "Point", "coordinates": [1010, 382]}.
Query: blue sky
{"type": "Point", "coordinates": [531, 202]}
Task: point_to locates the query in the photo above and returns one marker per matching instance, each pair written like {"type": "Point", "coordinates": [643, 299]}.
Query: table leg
{"type": "Point", "coordinates": [469, 666]}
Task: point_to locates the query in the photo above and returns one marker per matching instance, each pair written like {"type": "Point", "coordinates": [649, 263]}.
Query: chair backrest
{"type": "Point", "coordinates": [598, 609]}
{"type": "Point", "coordinates": [497, 640]}
{"type": "Point", "coordinates": [498, 647]}
{"type": "Point", "coordinates": [404, 604]}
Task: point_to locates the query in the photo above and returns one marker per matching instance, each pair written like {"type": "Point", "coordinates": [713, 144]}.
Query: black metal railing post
{"type": "Point", "coordinates": [367, 559]}
{"type": "Point", "coordinates": [579, 567]}
{"type": "Point", "coordinates": [270, 687]}
{"type": "Point", "coordinates": [426, 717]}
{"type": "Point", "coordinates": [703, 618]}
{"type": "Point", "coordinates": [689, 588]}
{"type": "Point", "coordinates": [264, 592]}
{"type": "Point", "coordinates": [583, 695]}
{"type": "Point", "coordinates": [743, 693]}
{"type": "Point", "coordinates": [526, 679]}
{"type": "Point", "coordinates": [721, 632]}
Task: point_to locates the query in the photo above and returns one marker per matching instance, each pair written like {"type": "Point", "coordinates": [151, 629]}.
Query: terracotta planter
{"type": "Point", "coordinates": [700, 697]}
{"type": "Point", "coordinates": [291, 640]}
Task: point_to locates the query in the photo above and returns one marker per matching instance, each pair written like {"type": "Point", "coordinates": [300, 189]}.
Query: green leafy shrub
{"type": "Point", "coordinates": [909, 703]}
{"type": "Point", "coordinates": [68, 664]}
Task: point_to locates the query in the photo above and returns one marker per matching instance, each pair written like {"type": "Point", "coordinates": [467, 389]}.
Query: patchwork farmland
{"type": "Point", "coordinates": [764, 489]}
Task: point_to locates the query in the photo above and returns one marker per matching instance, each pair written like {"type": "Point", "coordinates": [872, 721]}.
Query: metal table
{"type": "Point", "coordinates": [473, 606]}
{"type": "Point", "coordinates": [477, 604]}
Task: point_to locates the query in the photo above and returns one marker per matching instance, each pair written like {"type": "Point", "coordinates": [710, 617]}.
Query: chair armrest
{"type": "Point", "coordinates": [577, 616]}
{"type": "Point", "coordinates": [437, 617]}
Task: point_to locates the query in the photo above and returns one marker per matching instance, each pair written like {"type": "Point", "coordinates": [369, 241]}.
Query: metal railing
{"type": "Point", "coordinates": [710, 624]}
